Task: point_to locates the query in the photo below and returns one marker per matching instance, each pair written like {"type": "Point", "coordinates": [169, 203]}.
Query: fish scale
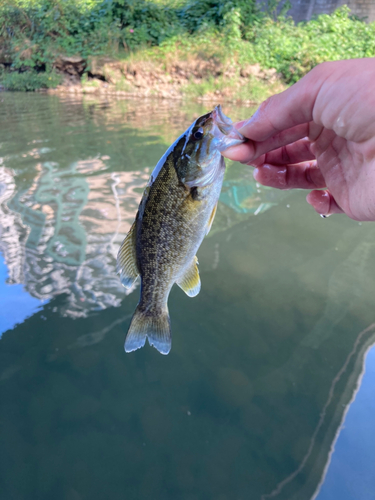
{"type": "Point", "coordinates": [175, 213]}
{"type": "Point", "coordinates": [163, 237]}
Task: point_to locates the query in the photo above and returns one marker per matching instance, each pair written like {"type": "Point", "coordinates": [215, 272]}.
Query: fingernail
{"type": "Point", "coordinates": [247, 122]}
{"type": "Point", "coordinates": [239, 125]}
{"type": "Point", "coordinates": [320, 200]}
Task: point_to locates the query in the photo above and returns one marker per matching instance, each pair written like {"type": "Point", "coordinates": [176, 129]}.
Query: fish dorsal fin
{"type": "Point", "coordinates": [211, 219]}
{"type": "Point", "coordinates": [126, 259]}
{"type": "Point", "coordinates": [190, 282]}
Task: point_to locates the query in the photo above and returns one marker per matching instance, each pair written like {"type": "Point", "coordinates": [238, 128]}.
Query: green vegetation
{"type": "Point", "coordinates": [33, 33]}
{"type": "Point", "coordinates": [30, 80]}
{"type": "Point", "coordinates": [294, 50]}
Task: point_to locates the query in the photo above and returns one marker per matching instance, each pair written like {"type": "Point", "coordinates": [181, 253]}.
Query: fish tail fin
{"type": "Point", "coordinates": [156, 327]}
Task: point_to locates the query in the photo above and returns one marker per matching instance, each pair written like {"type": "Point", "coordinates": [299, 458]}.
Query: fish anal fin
{"type": "Point", "coordinates": [190, 282]}
{"type": "Point", "coordinates": [211, 219]}
{"type": "Point", "coordinates": [126, 259]}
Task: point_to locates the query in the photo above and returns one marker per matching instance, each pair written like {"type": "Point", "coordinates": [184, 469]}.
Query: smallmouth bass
{"type": "Point", "coordinates": [176, 212]}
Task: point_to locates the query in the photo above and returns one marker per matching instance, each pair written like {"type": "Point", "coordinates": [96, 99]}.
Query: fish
{"type": "Point", "coordinates": [176, 212]}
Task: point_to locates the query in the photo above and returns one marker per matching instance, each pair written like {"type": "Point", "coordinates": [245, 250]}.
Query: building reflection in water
{"type": "Point", "coordinates": [62, 235]}
{"type": "Point", "coordinates": [13, 233]}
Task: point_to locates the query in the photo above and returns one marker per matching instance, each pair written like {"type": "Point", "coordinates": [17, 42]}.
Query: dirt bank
{"type": "Point", "coordinates": [197, 78]}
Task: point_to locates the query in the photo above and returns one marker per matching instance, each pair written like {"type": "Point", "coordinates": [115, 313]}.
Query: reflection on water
{"type": "Point", "coordinates": [62, 233]}
{"type": "Point", "coordinates": [75, 225]}
{"type": "Point", "coordinates": [352, 278]}
{"type": "Point", "coordinates": [265, 361]}
{"type": "Point", "coordinates": [353, 454]}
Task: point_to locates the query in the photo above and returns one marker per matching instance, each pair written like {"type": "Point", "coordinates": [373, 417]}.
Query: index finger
{"type": "Point", "coordinates": [283, 111]}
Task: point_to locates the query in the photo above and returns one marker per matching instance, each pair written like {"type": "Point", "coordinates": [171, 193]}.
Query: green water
{"type": "Point", "coordinates": [264, 361]}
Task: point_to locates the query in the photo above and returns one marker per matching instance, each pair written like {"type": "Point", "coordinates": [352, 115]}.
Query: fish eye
{"type": "Point", "coordinates": [198, 134]}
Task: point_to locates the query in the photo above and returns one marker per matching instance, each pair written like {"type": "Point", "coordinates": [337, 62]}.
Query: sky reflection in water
{"type": "Point", "coordinates": [264, 361]}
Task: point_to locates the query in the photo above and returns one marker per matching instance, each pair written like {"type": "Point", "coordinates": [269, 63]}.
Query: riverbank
{"type": "Point", "coordinates": [199, 79]}
{"type": "Point", "coordinates": [229, 51]}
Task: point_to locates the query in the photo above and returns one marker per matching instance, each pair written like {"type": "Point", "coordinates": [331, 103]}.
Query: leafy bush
{"type": "Point", "coordinates": [294, 50]}
{"type": "Point", "coordinates": [278, 43]}
{"type": "Point", "coordinates": [34, 32]}
{"type": "Point", "coordinates": [142, 22]}
{"type": "Point", "coordinates": [30, 80]}
{"type": "Point", "coordinates": [233, 15]}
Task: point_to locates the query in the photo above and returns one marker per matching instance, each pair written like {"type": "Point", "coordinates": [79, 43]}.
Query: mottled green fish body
{"type": "Point", "coordinates": [176, 212]}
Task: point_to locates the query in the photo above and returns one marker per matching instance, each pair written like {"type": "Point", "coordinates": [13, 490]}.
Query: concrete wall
{"type": "Point", "coordinates": [305, 9]}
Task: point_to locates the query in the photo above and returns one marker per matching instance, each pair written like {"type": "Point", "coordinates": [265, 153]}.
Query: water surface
{"type": "Point", "coordinates": [264, 363]}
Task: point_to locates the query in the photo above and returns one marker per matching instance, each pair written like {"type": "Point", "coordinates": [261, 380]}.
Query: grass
{"type": "Point", "coordinates": [214, 42]}
{"type": "Point", "coordinates": [252, 90]}
{"type": "Point", "coordinates": [29, 80]}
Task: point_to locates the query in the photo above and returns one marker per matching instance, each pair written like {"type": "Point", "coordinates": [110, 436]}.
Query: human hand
{"type": "Point", "coordinates": [319, 133]}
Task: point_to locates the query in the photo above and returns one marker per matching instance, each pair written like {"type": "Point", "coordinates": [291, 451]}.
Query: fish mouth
{"type": "Point", "coordinates": [223, 122]}
{"type": "Point", "coordinates": [225, 126]}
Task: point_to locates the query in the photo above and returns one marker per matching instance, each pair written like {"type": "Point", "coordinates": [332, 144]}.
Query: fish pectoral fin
{"type": "Point", "coordinates": [212, 216]}
{"type": "Point", "coordinates": [190, 282]}
{"type": "Point", "coordinates": [126, 259]}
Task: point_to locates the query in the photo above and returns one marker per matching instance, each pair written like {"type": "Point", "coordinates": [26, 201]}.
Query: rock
{"type": "Point", "coordinates": [141, 82]}
{"type": "Point", "coordinates": [69, 79]}
{"type": "Point", "coordinates": [112, 74]}
{"type": "Point", "coordinates": [251, 70]}
{"type": "Point", "coordinates": [96, 65]}
{"type": "Point", "coordinates": [72, 59]}
{"type": "Point", "coordinates": [72, 65]}
{"type": "Point", "coordinates": [269, 75]}
{"type": "Point", "coordinates": [90, 90]}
